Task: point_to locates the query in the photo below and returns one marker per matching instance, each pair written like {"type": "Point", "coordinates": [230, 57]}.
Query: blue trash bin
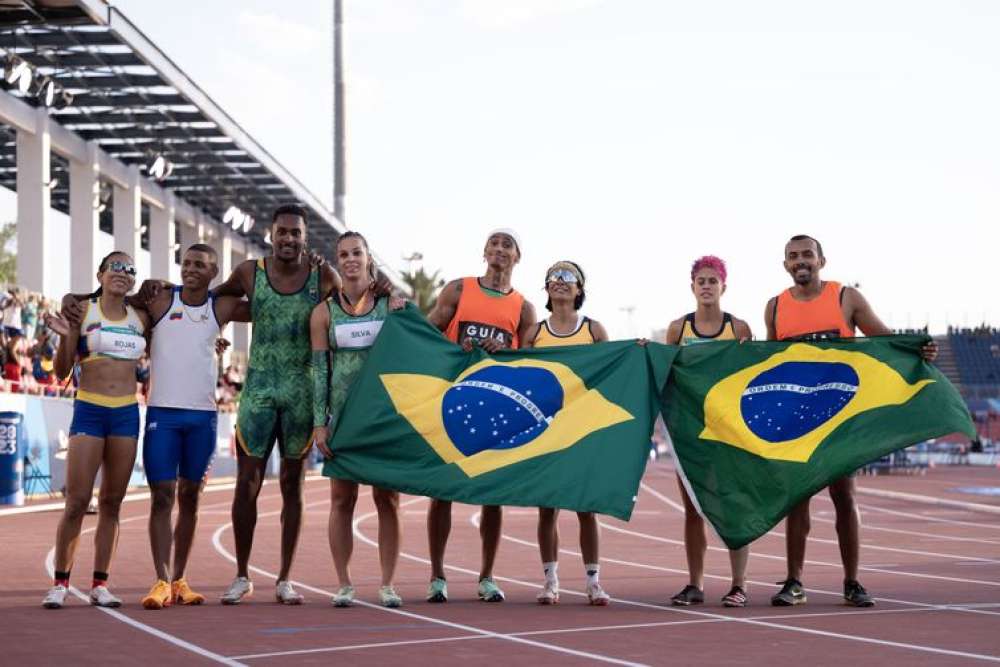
{"type": "Point", "coordinates": [12, 447]}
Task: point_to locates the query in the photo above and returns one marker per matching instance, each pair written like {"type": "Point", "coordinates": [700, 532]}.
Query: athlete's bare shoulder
{"type": "Point", "coordinates": [674, 331]}
{"type": "Point", "coordinates": [742, 329]}
{"type": "Point", "coordinates": [598, 331]}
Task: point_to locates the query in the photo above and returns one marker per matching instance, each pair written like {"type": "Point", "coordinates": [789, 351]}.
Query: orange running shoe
{"type": "Point", "coordinates": [183, 593]}
{"type": "Point", "coordinates": [159, 596]}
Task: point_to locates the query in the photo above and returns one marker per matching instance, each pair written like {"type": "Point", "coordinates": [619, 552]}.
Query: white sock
{"type": "Point", "coordinates": [551, 570]}
{"type": "Point", "coordinates": [593, 572]}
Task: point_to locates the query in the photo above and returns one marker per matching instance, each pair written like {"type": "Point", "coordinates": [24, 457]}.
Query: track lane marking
{"type": "Point", "coordinates": [221, 549]}
{"type": "Point", "coordinates": [734, 619]}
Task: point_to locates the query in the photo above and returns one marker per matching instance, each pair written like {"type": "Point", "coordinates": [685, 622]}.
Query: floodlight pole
{"type": "Point", "coordinates": [339, 153]}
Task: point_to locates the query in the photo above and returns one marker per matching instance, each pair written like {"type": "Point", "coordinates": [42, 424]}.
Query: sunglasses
{"type": "Point", "coordinates": [122, 267]}
{"type": "Point", "coordinates": [562, 275]}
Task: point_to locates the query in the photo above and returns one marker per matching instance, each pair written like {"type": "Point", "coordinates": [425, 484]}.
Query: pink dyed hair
{"type": "Point", "coordinates": [709, 262]}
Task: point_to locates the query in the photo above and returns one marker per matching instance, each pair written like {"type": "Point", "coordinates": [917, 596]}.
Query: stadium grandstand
{"type": "Point", "coordinates": [107, 142]}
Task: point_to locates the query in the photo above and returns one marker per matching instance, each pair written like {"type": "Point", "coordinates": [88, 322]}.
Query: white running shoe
{"type": "Point", "coordinates": [596, 595]}
{"type": "Point", "coordinates": [55, 598]}
{"type": "Point", "coordinates": [344, 597]}
{"type": "Point", "coordinates": [241, 588]}
{"type": "Point", "coordinates": [285, 594]}
{"type": "Point", "coordinates": [100, 596]}
{"type": "Point", "coordinates": [388, 597]}
{"type": "Point", "coordinates": [549, 593]}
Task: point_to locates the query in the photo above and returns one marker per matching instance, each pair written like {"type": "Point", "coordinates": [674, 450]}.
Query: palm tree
{"type": "Point", "coordinates": [425, 288]}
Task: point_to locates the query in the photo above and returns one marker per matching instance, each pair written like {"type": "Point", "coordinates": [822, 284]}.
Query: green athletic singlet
{"type": "Point", "coordinates": [276, 402]}
{"type": "Point", "coordinates": [351, 338]}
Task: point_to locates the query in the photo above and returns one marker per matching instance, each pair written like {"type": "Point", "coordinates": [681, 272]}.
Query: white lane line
{"type": "Point", "coordinates": [138, 625]}
{"type": "Point", "coordinates": [557, 631]}
{"type": "Point", "coordinates": [129, 498]}
{"type": "Point", "coordinates": [930, 500]}
{"type": "Point", "coordinates": [780, 626]}
{"type": "Point", "coordinates": [866, 526]}
{"type": "Point", "coordinates": [217, 543]}
{"type": "Point", "coordinates": [665, 540]}
{"type": "Point", "coordinates": [357, 647]}
{"type": "Point", "coordinates": [932, 519]}
{"type": "Point", "coordinates": [864, 568]}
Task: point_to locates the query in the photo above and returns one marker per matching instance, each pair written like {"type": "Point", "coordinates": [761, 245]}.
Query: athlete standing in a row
{"type": "Point", "coordinates": [343, 329]}
{"type": "Point", "coordinates": [814, 309]}
{"type": "Point", "coordinates": [181, 420]}
{"type": "Point", "coordinates": [706, 324]}
{"type": "Point", "coordinates": [564, 284]}
{"type": "Point", "coordinates": [107, 341]}
{"type": "Point", "coordinates": [487, 312]}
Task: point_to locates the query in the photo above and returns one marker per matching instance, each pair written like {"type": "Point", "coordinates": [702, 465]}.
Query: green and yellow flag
{"type": "Point", "coordinates": [558, 427]}
{"type": "Point", "coordinates": [758, 427]}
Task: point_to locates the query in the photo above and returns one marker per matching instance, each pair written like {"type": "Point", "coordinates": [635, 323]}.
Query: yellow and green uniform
{"type": "Point", "coordinates": [690, 335]}
{"type": "Point", "coordinates": [351, 338]}
{"type": "Point", "coordinates": [276, 402]}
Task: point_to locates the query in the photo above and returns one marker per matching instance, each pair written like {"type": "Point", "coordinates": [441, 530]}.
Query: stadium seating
{"type": "Point", "coordinates": [977, 356]}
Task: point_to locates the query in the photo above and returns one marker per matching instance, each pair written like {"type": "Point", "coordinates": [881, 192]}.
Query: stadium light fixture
{"type": "Point", "coordinates": [46, 91]}
{"type": "Point", "coordinates": [236, 218]}
{"type": "Point", "coordinates": [19, 72]}
{"type": "Point", "coordinates": [160, 168]}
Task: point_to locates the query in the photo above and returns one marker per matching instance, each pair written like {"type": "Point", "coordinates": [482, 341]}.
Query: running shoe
{"type": "Point", "coordinates": [437, 591]}
{"type": "Point", "coordinates": [56, 597]}
{"type": "Point", "coordinates": [856, 594]}
{"type": "Point", "coordinates": [159, 596]}
{"type": "Point", "coordinates": [549, 593]}
{"type": "Point", "coordinates": [241, 588]}
{"type": "Point", "coordinates": [343, 597]}
{"type": "Point", "coordinates": [597, 596]}
{"type": "Point", "coordinates": [100, 596]}
{"type": "Point", "coordinates": [736, 597]}
{"type": "Point", "coordinates": [183, 594]}
{"type": "Point", "coordinates": [688, 596]}
{"type": "Point", "coordinates": [489, 591]}
{"type": "Point", "coordinates": [388, 597]}
{"type": "Point", "coordinates": [791, 594]}
{"type": "Point", "coordinates": [285, 594]}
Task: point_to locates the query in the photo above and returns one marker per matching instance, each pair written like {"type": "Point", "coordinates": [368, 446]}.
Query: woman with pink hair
{"type": "Point", "coordinates": [706, 324]}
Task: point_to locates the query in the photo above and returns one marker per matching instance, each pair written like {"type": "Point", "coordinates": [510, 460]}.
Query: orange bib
{"type": "Point", "coordinates": [480, 316]}
{"type": "Point", "coordinates": [816, 319]}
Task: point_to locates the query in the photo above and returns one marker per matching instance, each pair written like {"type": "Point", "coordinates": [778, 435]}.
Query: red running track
{"type": "Point", "coordinates": [934, 568]}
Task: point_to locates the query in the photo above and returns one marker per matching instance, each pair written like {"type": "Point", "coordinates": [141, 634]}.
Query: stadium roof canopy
{"type": "Point", "coordinates": [137, 105]}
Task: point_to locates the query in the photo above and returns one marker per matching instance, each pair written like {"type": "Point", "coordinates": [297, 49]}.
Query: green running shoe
{"type": "Point", "coordinates": [437, 591]}
{"type": "Point", "coordinates": [489, 591]}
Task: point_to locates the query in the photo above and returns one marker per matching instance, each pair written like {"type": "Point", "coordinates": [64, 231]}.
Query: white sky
{"type": "Point", "coordinates": [635, 135]}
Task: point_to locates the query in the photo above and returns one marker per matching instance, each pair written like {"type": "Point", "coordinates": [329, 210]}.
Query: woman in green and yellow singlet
{"type": "Point", "coordinates": [706, 324]}
{"type": "Point", "coordinates": [566, 326]}
{"type": "Point", "coordinates": [343, 329]}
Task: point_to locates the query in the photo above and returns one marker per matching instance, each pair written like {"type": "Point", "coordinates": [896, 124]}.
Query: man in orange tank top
{"type": "Point", "coordinates": [813, 309]}
{"type": "Point", "coordinates": [487, 312]}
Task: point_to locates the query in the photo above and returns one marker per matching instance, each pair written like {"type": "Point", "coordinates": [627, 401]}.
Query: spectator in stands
{"type": "Point", "coordinates": [29, 316]}
{"type": "Point", "coordinates": [11, 304]}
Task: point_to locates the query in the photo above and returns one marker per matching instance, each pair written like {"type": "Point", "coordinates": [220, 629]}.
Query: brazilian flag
{"type": "Point", "coordinates": [758, 427]}
{"type": "Point", "coordinates": [562, 427]}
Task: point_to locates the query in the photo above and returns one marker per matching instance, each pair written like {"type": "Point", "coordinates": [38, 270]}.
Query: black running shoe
{"type": "Point", "coordinates": [689, 596]}
{"type": "Point", "coordinates": [856, 594]}
{"type": "Point", "coordinates": [791, 594]}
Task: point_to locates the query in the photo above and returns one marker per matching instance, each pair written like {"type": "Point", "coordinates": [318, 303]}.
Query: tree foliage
{"type": "Point", "coordinates": [425, 288]}
{"type": "Point", "coordinates": [8, 258]}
